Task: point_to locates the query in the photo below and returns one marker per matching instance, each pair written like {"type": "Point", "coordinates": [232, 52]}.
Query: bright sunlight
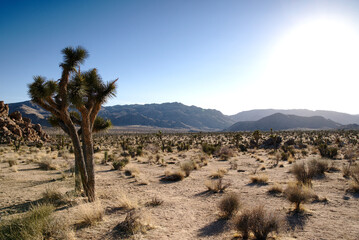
{"type": "Point", "coordinates": [316, 61]}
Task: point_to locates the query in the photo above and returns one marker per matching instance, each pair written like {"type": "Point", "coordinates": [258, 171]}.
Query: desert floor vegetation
{"type": "Point", "coordinates": [186, 186]}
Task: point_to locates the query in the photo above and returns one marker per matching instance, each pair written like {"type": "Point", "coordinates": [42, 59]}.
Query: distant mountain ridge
{"type": "Point", "coordinates": [256, 114]}
{"type": "Point", "coordinates": [165, 115]}
{"type": "Point", "coordinates": [279, 121]}
{"type": "Point", "coordinates": [179, 116]}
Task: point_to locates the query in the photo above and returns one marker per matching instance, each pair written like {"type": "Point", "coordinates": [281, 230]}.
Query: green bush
{"type": "Point", "coordinates": [32, 225]}
{"type": "Point", "coordinates": [120, 164]}
{"type": "Point", "coordinates": [327, 152]}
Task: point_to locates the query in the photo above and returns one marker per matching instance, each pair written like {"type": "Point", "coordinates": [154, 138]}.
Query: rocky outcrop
{"type": "Point", "coordinates": [14, 127]}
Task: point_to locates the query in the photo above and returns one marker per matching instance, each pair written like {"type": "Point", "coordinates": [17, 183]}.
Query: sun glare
{"type": "Point", "coordinates": [317, 60]}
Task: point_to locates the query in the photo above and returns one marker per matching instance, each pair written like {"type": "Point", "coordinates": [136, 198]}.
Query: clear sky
{"type": "Point", "coordinates": [229, 55]}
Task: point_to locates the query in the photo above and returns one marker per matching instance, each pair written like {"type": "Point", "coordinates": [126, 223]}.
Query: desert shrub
{"type": "Point", "coordinates": [275, 189]}
{"type": "Point", "coordinates": [216, 186]}
{"type": "Point", "coordinates": [54, 197]}
{"type": "Point", "coordinates": [12, 162]}
{"type": "Point", "coordinates": [354, 174]}
{"type": "Point", "coordinates": [135, 222]}
{"type": "Point", "coordinates": [32, 225]}
{"type": "Point", "coordinates": [174, 176]}
{"type": "Point", "coordinates": [327, 152]}
{"type": "Point", "coordinates": [47, 165]}
{"type": "Point", "coordinates": [318, 167]}
{"type": "Point", "coordinates": [263, 223]}
{"type": "Point", "coordinates": [229, 205]}
{"type": "Point", "coordinates": [131, 171]}
{"type": "Point", "coordinates": [224, 153]}
{"type": "Point", "coordinates": [259, 179]}
{"type": "Point", "coordinates": [257, 221]}
{"type": "Point", "coordinates": [346, 170]}
{"type": "Point", "coordinates": [242, 147]}
{"type": "Point", "coordinates": [209, 148]}
{"type": "Point", "coordinates": [125, 202]}
{"type": "Point", "coordinates": [298, 194]}
{"type": "Point", "coordinates": [284, 156]}
{"type": "Point", "coordinates": [219, 173]}
{"type": "Point", "coordinates": [187, 167]}
{"type": "Point", "coordinates": [242, 223]}
{"type": "Point", "coordinates": [89, 214]}
{"type": "Point", "coordinates": [302, 174]}
{"type": "Point", "coordinates": [120, 164]}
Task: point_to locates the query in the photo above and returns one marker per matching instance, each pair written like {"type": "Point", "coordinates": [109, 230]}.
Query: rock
{"type": "Point", "coordinates": [15, 127]}
{"type": "Point", "coordinates": [16, 116]}
{"type": "Point", "coordinates": [4, 109]}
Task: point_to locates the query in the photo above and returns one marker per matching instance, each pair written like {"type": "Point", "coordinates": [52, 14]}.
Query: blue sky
{"type": "Point", "coordinates": [227, 55]}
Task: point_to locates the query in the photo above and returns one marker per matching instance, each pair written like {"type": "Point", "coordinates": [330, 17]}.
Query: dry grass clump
{"type": "Point", "coordinates": [155, 201]}
{"type": "Point", "coordinates": [131, 171]}
{"type": "Point", "coordinates": [47, 165]}
{"type": "Point", "coordinates": [224, 153]}
{"type": "Point", "coordinates": [258, 221]}
{"type": "Point", "coordinates": [318, 167]}
{"type": "Point", "coordinates": [275, 189]}
{"type": "Point", "coordinates": [89, 214]}
{"type": "Point", "coordinates": [136, 221]}
{"type": "Point", "coordinates": [354, 174]}
{"type": "Point", "coordinates": [187, 167]}
{"type": "Point", "coordinates": [12, 162]}
{"type": "Point", "coordinates": [216, 186]}
{"type": "Point", "coordinates": [259, 179]}
{"type": "Point", "coordinates": [54, 197]}
{"type": "Point", "coordinates": [298, 194]}
{"type": "Point", "coordinates": [32, 225]}
{"type": "Point", "coordinates": [229, 205]}
{"type": "Point", "coordinates": [125, 202]}
{"type": "Point", "coordinates": [142, 180]}
{"type": "Point", "coordinates": [174, 176]}
{"type": "Point", "coordinates": [219, 173]}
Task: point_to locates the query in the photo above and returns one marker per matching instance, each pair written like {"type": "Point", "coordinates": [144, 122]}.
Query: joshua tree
{"type": "Point", "coordinates": [84, 92]}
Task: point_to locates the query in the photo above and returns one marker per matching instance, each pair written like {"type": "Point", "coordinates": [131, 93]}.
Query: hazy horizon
{"type": "Point", "coordinates": [231, 56]}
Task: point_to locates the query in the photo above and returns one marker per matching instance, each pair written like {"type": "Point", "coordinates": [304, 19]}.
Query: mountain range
{"type": "Point", "coordinates": [179, 116]}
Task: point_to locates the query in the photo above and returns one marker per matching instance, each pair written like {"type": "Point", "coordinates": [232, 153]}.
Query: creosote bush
{"type": "Point", "coordinates": [298, 194]}
{"type": "Point", "coordinates": [136, 221]}
{"type": "Point", "coordinates": [327, 152]}
{"type": "Point", "coordinates": [302, 174]}
{"type": "Point", "coordinates": [229, 205]}
{"type": "Point", "coordinates": [258, 221]}
{"type": "Point", "coordinates": [120, 164]}
{"type": "Point", "coordinates": [216, 186]}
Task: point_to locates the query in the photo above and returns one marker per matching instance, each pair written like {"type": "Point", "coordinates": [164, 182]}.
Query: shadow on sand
{"type": "Point", "coordinates": [297, 219]}
{"type": "Point", "coordinates": [214, 228]}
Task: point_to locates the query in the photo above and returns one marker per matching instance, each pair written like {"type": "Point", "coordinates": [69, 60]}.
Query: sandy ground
{"type": "Point", "coordinates": [189, 211]}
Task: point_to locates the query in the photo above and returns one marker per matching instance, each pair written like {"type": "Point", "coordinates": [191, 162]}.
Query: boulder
{"type": "Point", "coordinates": [16, 116]}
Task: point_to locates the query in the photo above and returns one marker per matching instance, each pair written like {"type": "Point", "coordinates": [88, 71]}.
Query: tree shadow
{"type": "Point", "coordinates": [19, 208]}
{"type": "Point", "coordinates": [214, 228]}
{"type": "Point", "coordinates": [297, 219]}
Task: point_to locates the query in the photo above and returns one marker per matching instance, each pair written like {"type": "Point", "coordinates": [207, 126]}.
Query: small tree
{"type": "Point", "coordinates": [85, 93]}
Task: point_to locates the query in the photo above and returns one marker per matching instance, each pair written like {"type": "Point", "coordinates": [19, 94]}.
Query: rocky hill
{"type": "Point", "coordinates": [14, 126]}
{"type": "Point", "coordinates": [165, 115]}
{"type": "Point", "coordinates": [279, 121]}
